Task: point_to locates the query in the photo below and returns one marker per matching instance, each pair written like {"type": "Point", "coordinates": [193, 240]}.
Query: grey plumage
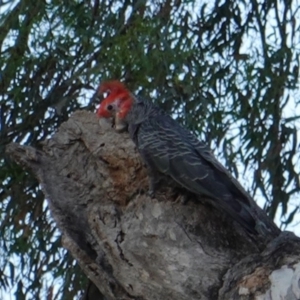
{"type": "Point", "coordinates": [170, 149]}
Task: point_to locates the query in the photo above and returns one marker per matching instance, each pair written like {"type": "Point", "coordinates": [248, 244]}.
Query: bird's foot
{"type": "Point", "coordinates": [141, 191]}
{"type": "Point", "coordinates": [185, 198]}
{"type": "Point", "coordinates": [151, 193]}
{"type": "Point", "coordinates": [181, 196]}
{"type": "Point", "coordinates": [154, 185]}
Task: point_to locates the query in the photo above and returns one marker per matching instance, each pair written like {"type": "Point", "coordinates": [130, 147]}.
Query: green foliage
{"type": "Point", "coordinates": [228, 70]}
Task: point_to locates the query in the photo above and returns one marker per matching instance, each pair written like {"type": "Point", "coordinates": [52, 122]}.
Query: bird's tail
{"type": "Point", "coordinates": [253, 219]}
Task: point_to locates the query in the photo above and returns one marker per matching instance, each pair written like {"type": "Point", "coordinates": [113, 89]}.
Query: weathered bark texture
{"type": "Point", "coordinates": [135, 247]}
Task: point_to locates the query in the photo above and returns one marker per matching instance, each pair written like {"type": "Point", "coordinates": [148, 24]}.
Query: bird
{"type": "Point", "coordinates": [169, 149]}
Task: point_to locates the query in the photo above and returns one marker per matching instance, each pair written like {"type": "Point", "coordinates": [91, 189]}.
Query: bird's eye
{"type": "Point", "coordinates": [109, 107]}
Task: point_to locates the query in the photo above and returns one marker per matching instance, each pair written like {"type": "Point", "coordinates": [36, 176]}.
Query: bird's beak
{"type": "Point", "coordinates": [120, 125]}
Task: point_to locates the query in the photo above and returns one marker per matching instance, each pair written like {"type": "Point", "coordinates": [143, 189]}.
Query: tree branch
{"type": "Point", "coordinates": [135, 247]}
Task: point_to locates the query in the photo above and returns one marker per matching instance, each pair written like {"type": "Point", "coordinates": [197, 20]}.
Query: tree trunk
{"type": "Point", "coordinates": [135, 247]}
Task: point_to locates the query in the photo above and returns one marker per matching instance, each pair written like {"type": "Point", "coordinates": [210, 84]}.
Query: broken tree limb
{"type": "Point", "coordinates": [135, 247]}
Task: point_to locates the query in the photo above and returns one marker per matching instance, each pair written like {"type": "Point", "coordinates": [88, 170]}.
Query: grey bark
{"type": "Point", "coordinates": [135, 247]}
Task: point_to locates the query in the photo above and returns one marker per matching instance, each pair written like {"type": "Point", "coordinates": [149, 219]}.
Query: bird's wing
{"type": "Point", "coordinates": [174, 151]}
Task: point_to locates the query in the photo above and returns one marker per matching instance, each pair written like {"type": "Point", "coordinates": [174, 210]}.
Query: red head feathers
{"type": "Point", "coordinates": [117, 103]}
